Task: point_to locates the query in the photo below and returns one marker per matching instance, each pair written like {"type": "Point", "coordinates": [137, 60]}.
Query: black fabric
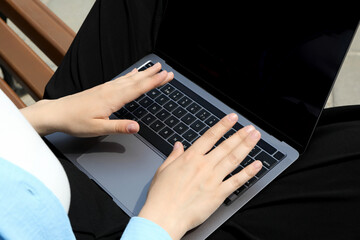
{"type": "Point", "coordinates": [316, 198]}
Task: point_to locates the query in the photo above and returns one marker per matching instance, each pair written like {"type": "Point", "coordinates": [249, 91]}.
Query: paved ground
{"type": "Point", "coordinates": [345, 92]}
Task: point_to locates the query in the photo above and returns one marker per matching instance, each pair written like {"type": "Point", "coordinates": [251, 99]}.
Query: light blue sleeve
{"type": "Point", "coordinates": [140, 228]}
{"type": "Point", "coordinates": [28, 209]}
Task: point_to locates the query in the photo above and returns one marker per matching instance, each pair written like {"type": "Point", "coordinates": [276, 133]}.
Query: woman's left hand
{"type": "Point", "coordinates": [86, 114]}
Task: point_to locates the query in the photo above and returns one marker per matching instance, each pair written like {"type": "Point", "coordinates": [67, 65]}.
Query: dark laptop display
{"type": "Point", "coordinates": [254, 52]}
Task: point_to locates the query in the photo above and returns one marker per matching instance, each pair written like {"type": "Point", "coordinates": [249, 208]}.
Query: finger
{"type": "Point", "coordinates": [239, 179]}
{"type": "Point", "coordinates": [228, 145]}
{"type": "Point", "coordinates": [156, 68]}
{"type": "Point", "coordinates": [233, 159]}
{"type": "Point", "coordinates": [156, 74]}
{"type": "Point", "coordinates": [211, 136]}
{"type": "Point", "coordinates": [129, 74]}
{"type": "Point", "coordinates": [123, 126]}
{"type": "Point", "coordinates": [140, 85]}
{"type": "Point", "coordinates": [176, 152]}
{"type": "Point", "coordinates": [170, 76]}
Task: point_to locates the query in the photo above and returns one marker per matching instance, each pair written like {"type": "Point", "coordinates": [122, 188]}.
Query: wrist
{"type": "Point", "coordinates": [171, 224]}
{"type": "Point", "coordinates": [42, 116]}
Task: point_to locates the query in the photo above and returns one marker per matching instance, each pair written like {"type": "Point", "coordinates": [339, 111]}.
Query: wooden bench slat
{"type": "Point", "coordinates": [21, 61]}
{"type": "Point", "coordinates": [41, 25]}
{"type": "Point", "coordinates": [11, 94]}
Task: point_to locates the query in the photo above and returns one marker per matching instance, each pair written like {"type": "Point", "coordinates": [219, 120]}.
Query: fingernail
{"type": "Point", "coordinates": [255, 134]}
{"type": "Point", "coordinates": [249, 129]}
{"type": "Point", "coordinates": [131, 128]}
{"type": "Point", "coordinates": [176, 145]}
{"type": "Point", "coordinates": [233, 117]}
{"type": "Point", "coordinates": [257, 164]}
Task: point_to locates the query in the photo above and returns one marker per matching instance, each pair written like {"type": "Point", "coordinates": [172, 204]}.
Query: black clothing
{"type": "Point", "coordinates": [315, 198]}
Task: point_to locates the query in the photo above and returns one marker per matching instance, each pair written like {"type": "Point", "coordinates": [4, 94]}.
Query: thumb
{"type": "Point", "coordinates": [176, 152]}
{"type": "Point", "coordinates": [118, 126]}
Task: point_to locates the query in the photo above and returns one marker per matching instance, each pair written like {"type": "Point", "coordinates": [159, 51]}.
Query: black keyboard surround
{"type": "Point", "coordinates": [174, 113]}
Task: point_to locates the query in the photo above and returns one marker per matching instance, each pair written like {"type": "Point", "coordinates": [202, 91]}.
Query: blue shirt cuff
{"type": "Point", "coordinates": [140, 228]}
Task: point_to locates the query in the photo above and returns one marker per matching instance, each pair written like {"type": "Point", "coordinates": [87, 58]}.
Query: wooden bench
{"type": "Point", "coordinates": [46, 30]}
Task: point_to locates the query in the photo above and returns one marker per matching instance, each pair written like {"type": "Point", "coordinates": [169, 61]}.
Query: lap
{"type": "Point", "coordinates": [314, 198]}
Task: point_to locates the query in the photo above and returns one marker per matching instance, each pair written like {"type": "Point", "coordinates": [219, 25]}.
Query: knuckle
{"type": "Point", "coordinates": [237, 181]}
{"type": "Point", "coordinates": [211, 134]}
{"type": "Point", "coordinates": [224, 122]}
{"type": "Point", "coordinates": [225, 147]}
{"type": "Point", "coordinates": [249, 172]}
{"type": "Point", "coordinates": [249, 143]}
{"type": "Point", "coordinates": [233, 159]}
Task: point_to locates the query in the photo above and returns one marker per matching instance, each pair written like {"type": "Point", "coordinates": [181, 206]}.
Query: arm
{"type": "Point", "coordinates": [86, 114]}
{"type": "Point", "coordinates": [191, 181]}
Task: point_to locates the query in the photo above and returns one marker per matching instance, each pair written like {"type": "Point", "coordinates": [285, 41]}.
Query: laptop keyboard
{"type": "Point", "coordinates": [174, 113]}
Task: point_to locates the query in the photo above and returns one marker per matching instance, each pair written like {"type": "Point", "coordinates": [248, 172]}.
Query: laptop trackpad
{"type": "Point", "coordinates": [124, 166]}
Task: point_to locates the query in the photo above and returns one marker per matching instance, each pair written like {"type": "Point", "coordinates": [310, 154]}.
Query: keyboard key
{"type": "Point", "coordinates": [193, 108]}
{"type": "Point", "coordinates": [267, 147]}
{"type": "Point", "coordinates": [240, 190]}
{"type": "Point", "coordinates": [279, 155]}
{"type": "Point", "coordinates": [262, 172]}
{"type": "Point", "coordinates": [158, 142]}
{"type": "Point", "coordinates": [145, 102]}
{"type": "Point", "coordinates": [266, 159]}
{"type": "Point", "coordinates": [174, 138]}
{"type": "Point", "coordinates": [153, 93]}
{"type": "Point", "coordinates": [162, 115]}
{"type": "Point", "coordinates": [131, 106]}
{"type": "Point", "coordinates": [211, 121]}
{"type": "Point", "coordinates": [186, 144]}
{"type": "Point", "coordinates": [197, 125]}
{"type": "Point", "coordinates": [179, 112]}
{"type": "Point", "coordinates": [142, 69]}
{"type": "Point", "coordinates": [170, 106]}
{"type": "Point", "coordinates": [254, 151]}
{"type": "Point", "coordinates": [154, 108]}
{"type": "Point", "coordinates": [176, 95]}
{"type": "Point", "coordinates": [148, 118]}
{"type": "Point", "coordinates": [167, 89]}
{"type": "Point", "coordinates": [140, 112]}
{"type": "Point", "coordinates": [202, 114]}
{"type": "Point", "coordinates": [162, 99]}
{"type": "Point", "coordinates": [188, 119]}
{"type": "Point", "coordinates": [190, 135]}
{"type": "Point", "coordinates": [166, 132]}
{"type": "Point", "coordinates": [181, 128]}
{"type": "Point", "coordinates": [172, 121]}
{"type": "Point", "coordinates": [251, 182]}
{"type": "Point", "coordinates": [157, 125]}
{"type": "Point", "coordinates": [149, 64]}
{"type": "Point", "coordinates": [230, 199]}
{"type": "Point", "coordinates": [185, 101]}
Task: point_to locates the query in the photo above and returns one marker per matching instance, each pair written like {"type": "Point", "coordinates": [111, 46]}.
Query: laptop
{"type": "Point", "coordinates": [275, 69]}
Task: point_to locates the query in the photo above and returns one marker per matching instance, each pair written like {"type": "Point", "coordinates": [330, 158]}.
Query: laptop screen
{"type": "Point", "coordinates": [274, 64]}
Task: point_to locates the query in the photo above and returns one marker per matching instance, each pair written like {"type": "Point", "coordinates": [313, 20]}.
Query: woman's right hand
{"type": "Point", "coordinates": [188, 187]}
